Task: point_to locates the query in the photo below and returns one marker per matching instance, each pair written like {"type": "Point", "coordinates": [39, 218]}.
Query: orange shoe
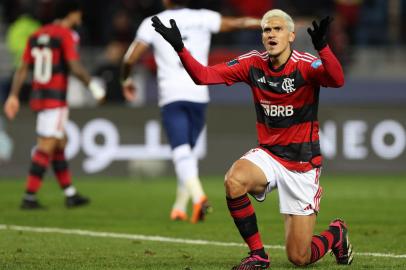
{"type": "Point", "coordinates": [177, 214]}
{"type": "Point", "coordinates": [200, 210]}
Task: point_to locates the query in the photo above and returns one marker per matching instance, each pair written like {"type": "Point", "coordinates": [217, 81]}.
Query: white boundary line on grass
{"type": "Point", "coordinates": [161, 239]}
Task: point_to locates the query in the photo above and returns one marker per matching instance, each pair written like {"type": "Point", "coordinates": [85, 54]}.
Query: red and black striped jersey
{"type": "Point", "coordinates": [286, 99]}
{"type": "Point", "coordinates": [48, 52]}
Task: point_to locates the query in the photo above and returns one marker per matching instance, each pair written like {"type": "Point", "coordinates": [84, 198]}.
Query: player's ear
{"type": "Point", "coordinates": [292, 36]}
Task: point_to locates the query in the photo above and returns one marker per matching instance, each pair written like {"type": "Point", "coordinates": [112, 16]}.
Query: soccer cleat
{"type": "Point", "coordinates": [342, 250]}
{"type": "Point", "coordinates": [31, 205]}
{"type": "Point", "coordinates": [200, 210]}
{"type": "Point", "coordinates": [76, 201]}
{"type": "Point", "coordinates": [253, 262]}
{"type": "Point", "coordinates": [177, 214]}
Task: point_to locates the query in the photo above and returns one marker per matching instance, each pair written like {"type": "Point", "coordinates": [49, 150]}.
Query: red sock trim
{"type": "Point", "coordinates": [62, 173]}
{"type": "Point", "coordinates": [238, 202]}
{"type": "Point", "coordinates": [330, 238]}
{"type": "Point", "coordinates": [40, 162]}
{"type": "Point", "coordinates": [59, 155]}
{"type": "Point", "coordinates": [254, 242]}
{"type": "Point", "coordinates": [33, 184]}
{"type": "Point", "coordinates": [41, 158]}
{"type": "Point", "coordinates": [320, 245]}
{"type": "Point", "coordinates": [64, 178]}
{"type": "Point", "coordinates": [240, 207]}
{"type": "Point", "coordinates": [242, 213]}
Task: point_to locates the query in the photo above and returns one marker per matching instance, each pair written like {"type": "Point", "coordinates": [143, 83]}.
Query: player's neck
{"type": "Point", "coordinates": [63, 23]}
{"type": "Point", "coordinates": [281, 59]}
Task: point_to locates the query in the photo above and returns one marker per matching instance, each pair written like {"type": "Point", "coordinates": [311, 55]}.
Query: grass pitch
{"type": "Point", "coordinates": [373, 207]}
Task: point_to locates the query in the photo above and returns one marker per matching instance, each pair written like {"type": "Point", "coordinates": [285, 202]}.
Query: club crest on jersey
{"type": "Point", "coordinates": [317, 63]}
{"type": "Point", "coordinates": [232, 62]}
{"type": "Point", "coordinates": [288, 85]}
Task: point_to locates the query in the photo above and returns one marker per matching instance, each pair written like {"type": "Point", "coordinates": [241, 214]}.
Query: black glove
{"type": "Point", "coordinates": [172, 35]}
{"type": "Point", "coordinates": [319, 33]}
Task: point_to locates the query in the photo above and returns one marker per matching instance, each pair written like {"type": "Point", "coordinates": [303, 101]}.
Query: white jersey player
{"type": "Point", "coordinates": [182, 102]}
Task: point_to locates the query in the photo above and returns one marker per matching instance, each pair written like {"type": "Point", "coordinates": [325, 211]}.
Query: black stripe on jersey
{"type": "Point", "coordinates": [304, 114]}
{"type": "Point", "coordinates": [276, 84]}
{"type": "Point", "coordinates": [60, 68]}
{"type": "Point", "coordinates": [295, 151]}
{"type": "Point", "coordinates": [48, 94]}
{"type": "Point", "coordinates": [52, 42]}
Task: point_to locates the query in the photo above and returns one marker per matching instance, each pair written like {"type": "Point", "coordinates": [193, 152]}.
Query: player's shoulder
{"type": "Point", "coordinates": [48, 33]}
{"type": "Point", "coordinates": [57, 30]}
{"type": "Point", "coordinates": [254, 55]}
{"type": "Point", "coordinates": [305, 58]}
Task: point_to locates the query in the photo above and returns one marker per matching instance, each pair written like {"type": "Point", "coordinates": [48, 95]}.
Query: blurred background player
{"type": "Point", "coordinates": [285, 85]}
{"type": "Point", "coordinates": [183, 103]}
{"type": "Point", "coordinates": [51, 53]}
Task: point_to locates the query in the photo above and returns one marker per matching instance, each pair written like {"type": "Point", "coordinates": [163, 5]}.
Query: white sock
{"type": "Point", "coordinates": [69, 191]}
{"type": "Point", "coordinates": [182, 198]}
{"type": "Point", "coordinates": [187, 171]}
{"type": "Point", "coordinates": [195, 188]}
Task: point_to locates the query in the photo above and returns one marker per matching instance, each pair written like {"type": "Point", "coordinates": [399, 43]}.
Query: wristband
{"type": "Point", "coordinates": [97, 90]}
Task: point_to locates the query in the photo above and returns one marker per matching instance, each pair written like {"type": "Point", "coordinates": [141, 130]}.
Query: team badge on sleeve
{"type": "Point", "coordinates": [316, 64]}
{"type": "Point", "coordinates": [232, 62]}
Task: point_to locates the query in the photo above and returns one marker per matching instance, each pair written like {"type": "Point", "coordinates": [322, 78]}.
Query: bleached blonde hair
{"type": "Point", "coordinates": [281, 14]}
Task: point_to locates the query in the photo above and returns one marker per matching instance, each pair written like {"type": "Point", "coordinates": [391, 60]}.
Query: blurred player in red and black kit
{"type": "Point", "coordinates": [285, 85]}
{"type": "Point", "coordinates": [51, 53]}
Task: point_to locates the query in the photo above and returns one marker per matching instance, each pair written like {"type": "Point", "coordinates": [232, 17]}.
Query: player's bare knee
{"type": "Point", "coordinates": [298, 260]}
{"type": "Point", "coordinates": [47, 145]}
{"type": "Point", "coordinates": [61, 144]}
{"type": "Point", "coordinates": [49, 149]}
{"type": "Point", "coordinates": [234, 184]}
{"type": "Point", "coordinates": [297, 255]}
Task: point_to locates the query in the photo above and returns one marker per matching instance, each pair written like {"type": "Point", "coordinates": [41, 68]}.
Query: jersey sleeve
{"type": "Point", "coordinates": [145, 31]}
{"type": "Point", "coordinates": [326, 70]}
{"type": "Point", "coordinates": [225, 73]}
{"type": "Point", "coordinates": [211, 20]}
{"type": "Point", "coordinates": [70, 43]}
{"type": "Point", "coordinates": [233, 71]}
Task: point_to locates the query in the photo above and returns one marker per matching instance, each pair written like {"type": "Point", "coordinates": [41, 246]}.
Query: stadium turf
{"type": "Point", "coordinates": [373, 206]}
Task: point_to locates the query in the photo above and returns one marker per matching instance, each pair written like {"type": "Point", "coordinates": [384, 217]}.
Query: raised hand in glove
{"type": "Point", "coordinates": [319, 33]}
{"type": "Point", "coordinates": [172, 35]}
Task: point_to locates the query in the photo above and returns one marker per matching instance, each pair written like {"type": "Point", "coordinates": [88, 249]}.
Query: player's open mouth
{"type": "Point", "coordinates": [273, 43]}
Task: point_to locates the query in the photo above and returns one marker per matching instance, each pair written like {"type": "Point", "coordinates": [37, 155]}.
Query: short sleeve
{"type": "Point", "coordinates": [145, 32]}
{"type": "Point", "coordinates": [70, 44]}
{"type": "Point", "coordinates": [211, 19]}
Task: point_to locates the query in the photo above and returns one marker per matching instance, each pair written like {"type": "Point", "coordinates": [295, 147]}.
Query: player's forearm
{"type": "Point", "coordinates": [79, 72]}
{"type": "Point", "coordinates": [238, 23]}
{"type": "Point", "coordinates": [200, 74]}
{"type": "Point", "coordinates": [125, 71]}
{"type": "Point", "coordinates": [18, 80]}
{"type": "Point", "coordinates": [332, 67]}
{"type": "Point", "coordinates": [133, 55]}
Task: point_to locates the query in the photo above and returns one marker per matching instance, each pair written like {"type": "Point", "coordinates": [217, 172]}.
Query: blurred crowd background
{"type": "Point", "coordinates": [364, 120]}
{"type": "Point", "coordinates": [366, 36]}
